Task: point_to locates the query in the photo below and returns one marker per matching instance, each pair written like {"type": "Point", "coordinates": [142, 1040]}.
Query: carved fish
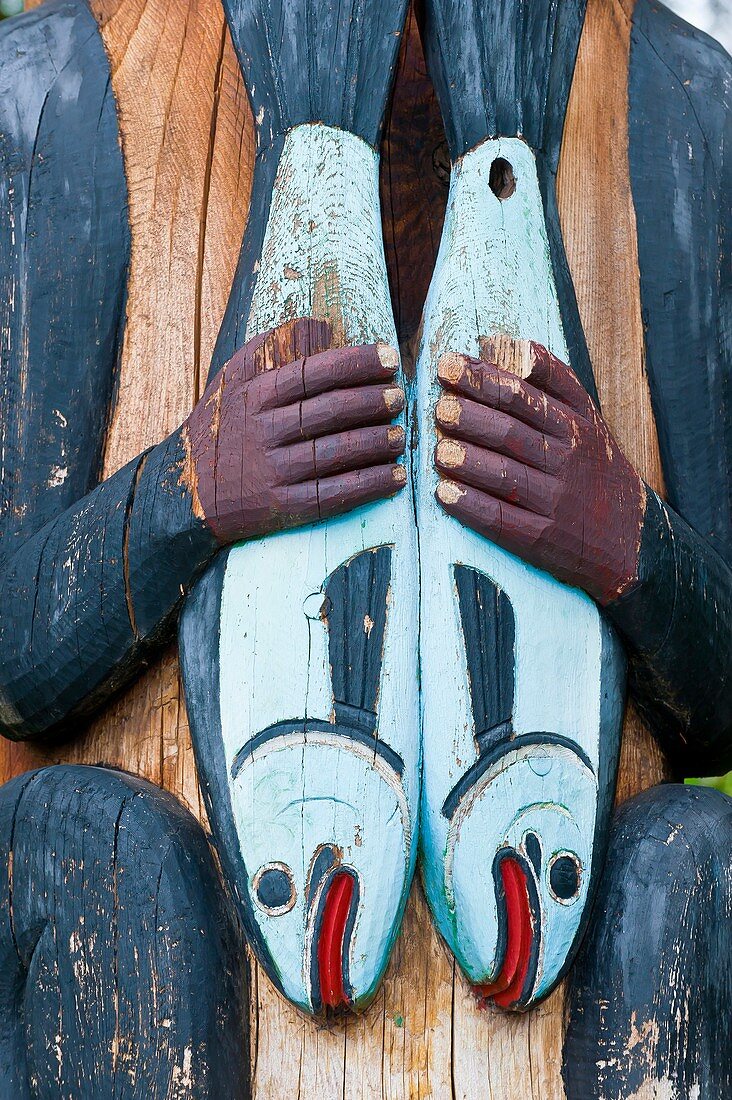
{"type": "Point", "coordinates": [522, 679]}
{"type": "Point", "coordinates": [300, 650]}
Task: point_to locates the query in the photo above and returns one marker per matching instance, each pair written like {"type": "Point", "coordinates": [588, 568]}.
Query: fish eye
{"type": "Point", "coordinates": [274, 889]}
{"type": "Point", "coordinates": [565, 875]}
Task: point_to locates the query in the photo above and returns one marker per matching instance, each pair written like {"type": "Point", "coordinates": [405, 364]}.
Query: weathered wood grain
{"type": "Point", "coordinates": [146, 730]}
{"type": "Point", "coordinates": [415, 171]}
{"type": "Point", "coordinates": [687, 548]}
{"type": "Point", "coordinates": [424, 1035]}
{"type": "Point", "coordinates": [176, 127]}
{"type": "Point", "coordinates": [188, 151]}
{"type": "Point", "coordinates": [598, 223]}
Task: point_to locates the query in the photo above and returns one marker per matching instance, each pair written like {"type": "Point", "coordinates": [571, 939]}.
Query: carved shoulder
{"type": "Point", "coordinates": [681, 173]}
{"type": "Point", "coordinates": [64, 251]}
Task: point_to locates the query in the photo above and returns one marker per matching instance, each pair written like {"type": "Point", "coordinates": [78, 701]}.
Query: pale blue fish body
{"type": "Point", "coordinates": [494, 276]}
{"type": "Point", "coordinates": [306, 787]}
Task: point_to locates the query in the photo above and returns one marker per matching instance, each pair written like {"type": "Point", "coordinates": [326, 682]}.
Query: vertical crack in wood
{"type": "Point", "coordinates": [115, 935]}
{"type": "Point", "coordinates": [126, 545]}
{"type": "Point", "coordinates": [199, 386]}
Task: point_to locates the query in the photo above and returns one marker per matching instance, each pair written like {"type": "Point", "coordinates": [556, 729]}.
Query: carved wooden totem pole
{"type": "Point", "coordinates": [379, 356]}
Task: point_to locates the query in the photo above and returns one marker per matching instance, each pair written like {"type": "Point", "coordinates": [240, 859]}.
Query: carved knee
{"type": "Point", "coordinates": [651, 995]}
{"type": "Point", "coordinates": [120, 959]}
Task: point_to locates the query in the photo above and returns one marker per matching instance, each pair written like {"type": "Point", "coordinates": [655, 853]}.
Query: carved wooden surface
{"type": "Point", "coordinates": [118, 952]}
{"type": "Point", "coordinates": [187, 138]}
{"type": "Point", "coordinates": [670, 845]}
{"type": "Point", "coordinates": [188, 149]}
{"type": "Point", "coordinates": [598, 220]}
{"type": "Point", "coordinates": [482, 798]}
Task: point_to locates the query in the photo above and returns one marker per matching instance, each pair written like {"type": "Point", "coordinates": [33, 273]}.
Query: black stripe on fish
{"type": "Point", "coordinates": [485, 763]}
{"type": "Point", "coordinates": [316, 725]}
{"type": "Point", "coordinates": [355, 612]}
{"type": "Point", "coordinates": [489, 630]}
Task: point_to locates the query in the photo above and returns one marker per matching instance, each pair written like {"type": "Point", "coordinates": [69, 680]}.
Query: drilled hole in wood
{"type": "Point", "coordinates": [501, 179]}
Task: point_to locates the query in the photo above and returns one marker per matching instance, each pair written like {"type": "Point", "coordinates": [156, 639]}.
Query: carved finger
{"type": "Point", "coordinates": [486, 427]}
{"type": "Point", "coordinates": [557, 379]}
{"type": "Point", "coordinates": [350, 490]}
{"type": "Point", "coordinates": [328, 413]}
{"type": "Point", "coordinates": [335, 454]}
{"type": "Point", "coordinates": [497, 475]}
{"type": "Point", "coordinates": [339, 368]}
{"type": "Point", "coordinates": [311, 501]}
{"type": "Point", "coordinates": [515, 529]}
{"type": "Point", "coordinates": [289, 342]}
{"type": "Point", "coordinates": [506, 392]}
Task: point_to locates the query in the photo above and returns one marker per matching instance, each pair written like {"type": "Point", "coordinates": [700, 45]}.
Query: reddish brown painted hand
{"type": "Point", "coordinates": [531, 464]}
{"type": "Point", "coordinates": [275, 448]}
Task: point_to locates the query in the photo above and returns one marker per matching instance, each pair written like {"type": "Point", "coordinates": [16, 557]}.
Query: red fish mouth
{"type": "Point", "coordinates": [336, 915]}
{"type": "Point", "coordinates": [519, 956]}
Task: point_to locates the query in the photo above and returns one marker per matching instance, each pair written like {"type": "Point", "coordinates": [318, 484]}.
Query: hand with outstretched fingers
{"type": "Point", "coordinates": [531, 464]}
{"type": "Point", "coordinates": [297, 443]}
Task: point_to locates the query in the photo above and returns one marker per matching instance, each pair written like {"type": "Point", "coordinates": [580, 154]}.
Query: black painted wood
{"type": "Point", "coordinates": [649, 997]}
{"type": "Point", "coordinates": [331, 62]}
{"type": "Point", "coordinates": [65, 370]}
{"type": "Point", "coordinates": [676, 623]}
{"type": "Point", "coordinates": [676, 627]}
{"type": "Point", "coordinates": [167, 544]}
{"type": "Point", "coordinates": [87, 599]}
{"type": "Point", "coordinates": [503, 67]}
{"type": "Point", "coordinates": [680, 135]}
{"type": "Point", "coordinates": [355, 611]}
{"type": "Point", "coordinates": [489, 630]}
{"type": "Point", "coordinates": [121, 965]}
{"type": "Point", "coordinates": [64, 252]}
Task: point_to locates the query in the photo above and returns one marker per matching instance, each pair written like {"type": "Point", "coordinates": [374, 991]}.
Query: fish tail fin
{"type": "Point", "coordinates": [502, 68]}
{"type": "Point", "coordinates": [326, 61]}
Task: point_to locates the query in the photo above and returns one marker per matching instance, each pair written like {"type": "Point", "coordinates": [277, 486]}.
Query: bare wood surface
{"type": "Point", "coordinates": [187, 139]}
{"type": "Point", "coordinates": [598, 223]}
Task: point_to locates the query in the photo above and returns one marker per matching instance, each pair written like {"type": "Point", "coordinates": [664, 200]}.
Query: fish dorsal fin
{"type": "Point", "coordinates": [355, 613]}
{"type": "Point", "coordinates": [489, 632]}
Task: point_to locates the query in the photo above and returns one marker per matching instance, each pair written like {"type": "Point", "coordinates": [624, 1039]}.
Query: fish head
{"type": "Point", "coordinates": [517, 870]}
{"type": "Point", "coordinates": [324, 833]}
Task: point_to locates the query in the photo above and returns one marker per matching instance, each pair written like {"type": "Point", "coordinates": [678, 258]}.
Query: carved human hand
{"type": "Point", "coordinates": [531, 464]}
{"type": "Point", "coordinates": [275, 448]}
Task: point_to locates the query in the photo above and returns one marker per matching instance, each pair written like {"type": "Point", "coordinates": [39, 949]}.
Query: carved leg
{"type": "Point", "coordinates": [119, 974]}
{"type": "Point", "coordinates": [651, 995]}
